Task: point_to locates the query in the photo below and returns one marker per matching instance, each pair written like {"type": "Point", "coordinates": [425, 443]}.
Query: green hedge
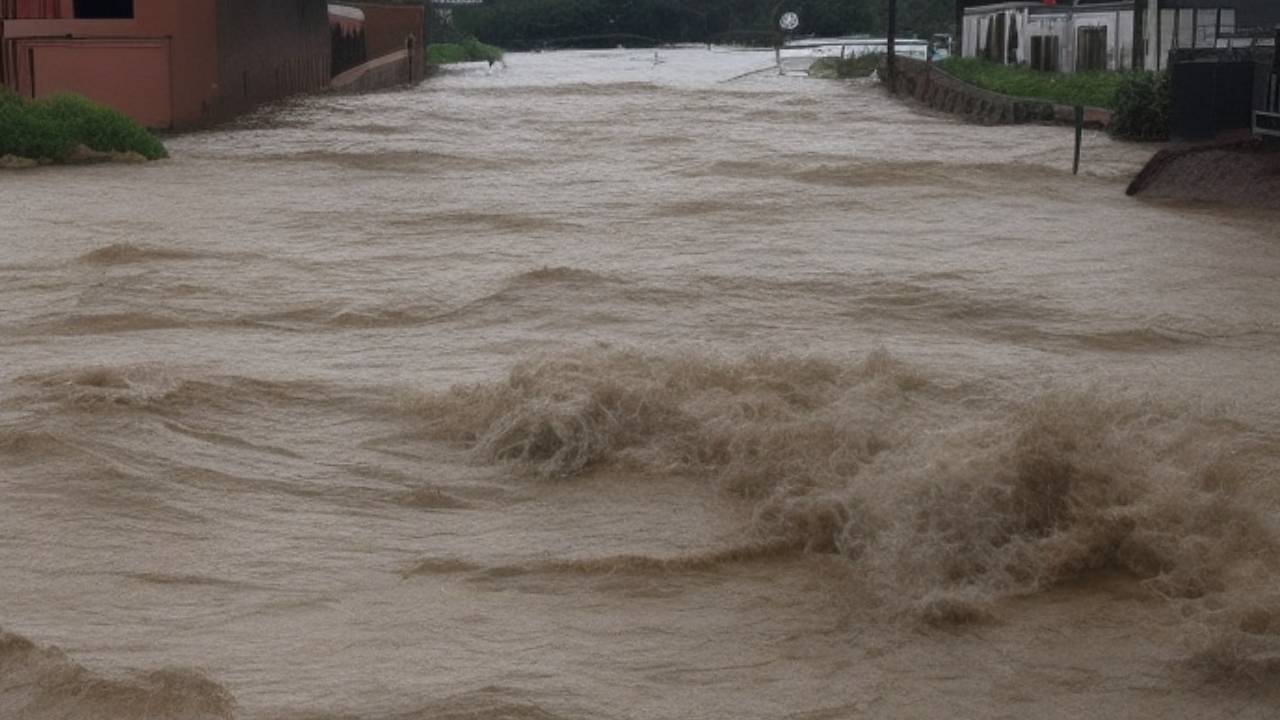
{"type": "Point", "coordinates": [52, 128]}
{"type": "Point", "coordinates": [1142, 107]}
{"type": "Point", "coordinates": [470, 50]}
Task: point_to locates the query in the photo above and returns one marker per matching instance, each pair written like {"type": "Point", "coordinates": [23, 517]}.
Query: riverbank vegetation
{"type": "Point", "coordinates": [851, 67]}
{"type": "Point", "coordinates": [469, 50]}
{"type": "Point", "coordinates": [60, 128]}
{"type": "Point", "coordinates": [1094, 89]}
{"type": "Point", "coordinates": [534, 24]}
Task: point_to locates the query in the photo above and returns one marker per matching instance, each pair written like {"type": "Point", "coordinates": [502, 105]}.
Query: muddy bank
{"type": "Point", "coordinates": [1241, 172]}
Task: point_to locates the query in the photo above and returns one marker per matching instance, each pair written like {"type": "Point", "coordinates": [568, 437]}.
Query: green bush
{"type": "Point", "coordinates": [861, 66]}
{"type": "Point", "coordinates": [1142, 107]}
{"type": "Point", "coordinates": [1094, 89]}
{"type": "Point", "coordinates": [469, 50]}
{"type": "Point", "coordinates": [52, 128]}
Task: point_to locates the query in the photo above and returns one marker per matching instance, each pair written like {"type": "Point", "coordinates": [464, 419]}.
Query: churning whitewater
{"type": "Point", "coordinates": [600, 387]}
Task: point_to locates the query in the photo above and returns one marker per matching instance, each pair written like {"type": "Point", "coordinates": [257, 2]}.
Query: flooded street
{"type": "Point", "coordinates": [622, 385]}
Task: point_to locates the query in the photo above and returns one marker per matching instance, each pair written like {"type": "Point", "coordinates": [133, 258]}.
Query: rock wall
{"type": "Point", "coordinates": [929, 85]}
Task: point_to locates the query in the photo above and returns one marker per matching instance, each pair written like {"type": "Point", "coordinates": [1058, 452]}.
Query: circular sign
{"type": "Point", "coordinates": [789, 21]}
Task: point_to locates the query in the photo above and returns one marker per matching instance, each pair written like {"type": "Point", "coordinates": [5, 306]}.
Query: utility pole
{"type": "Point", "coordinates": [892, 61]}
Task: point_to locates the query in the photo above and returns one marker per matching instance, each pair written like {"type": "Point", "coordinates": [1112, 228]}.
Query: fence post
{"type": "Point", "coordinates": [1075, 165]}
{"type": "Point", "coordinates": [892, 61]}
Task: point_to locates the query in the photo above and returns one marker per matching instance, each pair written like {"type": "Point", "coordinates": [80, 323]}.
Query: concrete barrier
{"type": "Point", "coordinates": [926, 83]}
{"type": "Point", "coordinates": [388, 71]}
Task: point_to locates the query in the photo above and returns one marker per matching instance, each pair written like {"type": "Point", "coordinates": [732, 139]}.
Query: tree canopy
{"type": "Point", "coordinates": [521, 24]}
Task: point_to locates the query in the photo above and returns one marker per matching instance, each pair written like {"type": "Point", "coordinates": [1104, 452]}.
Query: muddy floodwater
{"type": "Point", "coordinates": [622, 386]}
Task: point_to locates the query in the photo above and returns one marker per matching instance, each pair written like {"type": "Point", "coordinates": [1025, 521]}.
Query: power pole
{"type": "Point", "coordinates": [892, 61]}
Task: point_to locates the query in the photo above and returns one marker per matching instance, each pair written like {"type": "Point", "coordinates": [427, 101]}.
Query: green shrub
{"type": "Point", "coordinates": [469, 50]}
{"type": "Point", "coordinates": [52, 128]}
{"type": "Point", "coordinates": [1142, 107]}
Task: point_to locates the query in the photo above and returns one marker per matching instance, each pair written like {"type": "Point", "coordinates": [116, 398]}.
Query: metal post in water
{"type": "Point", "coordinates": [1075, 165]}
{"type": "Point", "coordinates": [891, 65]}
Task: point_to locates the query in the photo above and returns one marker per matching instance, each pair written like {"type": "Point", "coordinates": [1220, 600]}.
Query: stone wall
{"type": "Point", "coordinates": [929, 85]}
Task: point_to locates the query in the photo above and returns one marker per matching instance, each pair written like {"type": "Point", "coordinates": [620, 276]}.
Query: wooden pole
{"type": "Point", "coordinates": [892, 60]}
{"type": "Point", "coordinates": [1075, 165]}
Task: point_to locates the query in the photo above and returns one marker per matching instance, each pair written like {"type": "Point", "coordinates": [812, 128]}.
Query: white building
{"type": "Point", "coordinates": [1070, 36]}
{"type": "Point", "coordinates": [1060, 38]}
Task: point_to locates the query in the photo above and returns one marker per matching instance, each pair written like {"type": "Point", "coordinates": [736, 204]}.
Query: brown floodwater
{"type": "Point", "coordinates": [621, 385]}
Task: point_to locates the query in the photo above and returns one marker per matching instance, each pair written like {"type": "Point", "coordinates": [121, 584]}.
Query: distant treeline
{"type": "Point", "coordinates": [526, 24]}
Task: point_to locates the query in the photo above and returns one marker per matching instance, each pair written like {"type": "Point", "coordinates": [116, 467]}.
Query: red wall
{"type": "Point", "coordinates": [185, 25]}
{"type": "Point", "coordinates": [224, 56]}
{"type": "Point", "coordinates": [387, 29]}
{"type": "Point", "coordinates": [93, 68]}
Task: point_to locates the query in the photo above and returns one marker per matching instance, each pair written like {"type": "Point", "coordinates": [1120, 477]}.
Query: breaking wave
{"type": "Point", "coordinates": [948, 502]}
{"type": "Point", "coordinates": [42, 682]}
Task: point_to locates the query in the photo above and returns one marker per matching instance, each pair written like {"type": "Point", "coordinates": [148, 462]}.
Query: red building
{"type": "Point", "coordinates": [166, 63]}
{"type": "Point", "coordinates": [376, 45]}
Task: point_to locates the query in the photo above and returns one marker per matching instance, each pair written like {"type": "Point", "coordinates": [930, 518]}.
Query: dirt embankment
{"type": "Point", "coordinates": [1240, 172]}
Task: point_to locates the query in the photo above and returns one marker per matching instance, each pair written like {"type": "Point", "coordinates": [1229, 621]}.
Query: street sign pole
{"type": "Point", "coordinates": [892, 60]}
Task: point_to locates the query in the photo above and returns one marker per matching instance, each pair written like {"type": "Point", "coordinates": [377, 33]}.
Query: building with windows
{"type": "Point", "coordinates": [1079, 35]}
{"type": "Point", "coordinates": [166, 63]}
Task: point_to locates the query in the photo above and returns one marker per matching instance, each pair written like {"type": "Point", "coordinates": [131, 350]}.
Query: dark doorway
{"type": "Point", "coordinates": [101, 9]}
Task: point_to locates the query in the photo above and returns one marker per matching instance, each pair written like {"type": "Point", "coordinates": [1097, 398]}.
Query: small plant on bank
{"type": "Point", "coordinates": [54, 128]}
{"type": "Point", "coordinates": [851, 67]}
{"type": "Point", "coordinates": [469, 50]}
{"type": "Point", "coordinates": [1141, 106]}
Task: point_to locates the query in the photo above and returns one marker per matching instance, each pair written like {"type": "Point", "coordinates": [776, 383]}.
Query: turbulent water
{"type": "Point", "coordinates": [614, 385]}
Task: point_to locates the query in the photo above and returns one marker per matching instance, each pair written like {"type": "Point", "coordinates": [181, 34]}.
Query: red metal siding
{"type": "Point", "coordinates": [31, 9]}
{"type": "Point", "coordinates": [270, 50]}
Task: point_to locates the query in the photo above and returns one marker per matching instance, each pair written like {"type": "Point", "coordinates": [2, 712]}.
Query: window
{"type": "Point", "coordinates": [1186, 28]}
{"type": "Point", "coordinates": [1091, 48]}
{"type": "Point", "coordinates": [1044, 53]}
{"type": "Point", "coordinates": [1227, 22]}
{"type": "Point", "coordinates": [104, 9]}
{"type": "Point", "coordinates": [1206, 28]}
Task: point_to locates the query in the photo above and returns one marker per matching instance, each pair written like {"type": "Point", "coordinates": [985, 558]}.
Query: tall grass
{"type": "Point", "coordinates": [52, 128]}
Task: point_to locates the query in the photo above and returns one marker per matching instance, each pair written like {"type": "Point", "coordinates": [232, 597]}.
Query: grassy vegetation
{"type": "Point", "coordinates": [1142, 107]}
{"type": "Point", "coordinates": [53, 128]}
{"type": "Point", "coordinates": [1096, 89]}
{"type": "Point", "coordinates": [853, 67]}
{"type": "Point", "coordinates": [470, 50]}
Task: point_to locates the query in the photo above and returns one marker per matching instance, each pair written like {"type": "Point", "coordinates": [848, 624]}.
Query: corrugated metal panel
{"type": "Point", "coordinates": [30, 9]}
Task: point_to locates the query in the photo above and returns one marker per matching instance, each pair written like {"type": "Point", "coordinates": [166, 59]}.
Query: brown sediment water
{"type": "Point", "coordinates": [599, 387]}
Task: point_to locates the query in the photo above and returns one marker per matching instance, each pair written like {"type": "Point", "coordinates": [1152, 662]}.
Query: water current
{"type": "Point", "coordinates": [614, 385]}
